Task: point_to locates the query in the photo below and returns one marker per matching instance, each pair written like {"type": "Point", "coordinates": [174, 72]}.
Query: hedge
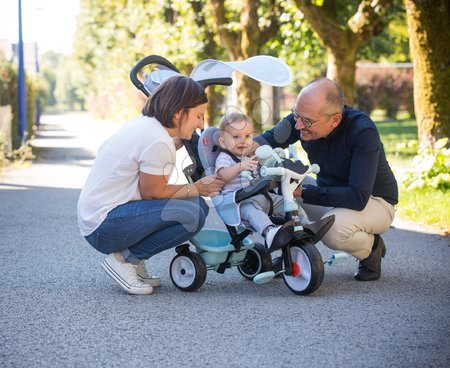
{"type": "Point", "coordinates": [387, 88]}
{"type": "Point", "coordinates": [9, 96]}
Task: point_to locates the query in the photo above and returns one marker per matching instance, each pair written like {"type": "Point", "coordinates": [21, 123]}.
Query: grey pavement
{"type": "Point", "coordinates": [59, 309]}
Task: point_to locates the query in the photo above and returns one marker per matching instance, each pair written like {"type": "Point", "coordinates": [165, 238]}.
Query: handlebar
{"type": "Point", "coordinates": [281, 171]}
{"type": "Point", "coordinates": [289, 179]}
{"type": "Point", "coordinates": [151, 59]}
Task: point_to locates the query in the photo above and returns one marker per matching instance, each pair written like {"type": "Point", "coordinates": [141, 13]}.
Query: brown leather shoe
{"type": "Point", "coordinates": [369, 269]}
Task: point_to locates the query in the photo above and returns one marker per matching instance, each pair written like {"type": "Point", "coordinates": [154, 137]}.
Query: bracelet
{"type": "Point", "coordinates": [188, 191]}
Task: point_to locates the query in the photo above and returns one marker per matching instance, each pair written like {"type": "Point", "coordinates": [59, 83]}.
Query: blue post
{"type": "Point", "coordinates": [21, 83]}
{"type": "Point", "coordinates": [38, 100]}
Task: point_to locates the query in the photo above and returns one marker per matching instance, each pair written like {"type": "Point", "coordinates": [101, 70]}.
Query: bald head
{"type": "Point", "coordinates": [325, 94]}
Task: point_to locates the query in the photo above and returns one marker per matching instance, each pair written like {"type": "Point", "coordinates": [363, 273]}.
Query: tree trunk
{"type": "Point", "coordinates": [342, 69]}
{"type": "Point", "coordinates": [215, 99]}
{"type": "Point", "coordinates": [429, 35]}
{"type": "Point", "coordinates": [249, 95]}
{"type": "Point", "coordinates": [276, 96]}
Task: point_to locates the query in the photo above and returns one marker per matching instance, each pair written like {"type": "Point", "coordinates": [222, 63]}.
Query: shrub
{"type": "Point", "coordinates": [8, 96]}
{"type": "Point", "coordinates": [430, 168]}
{"type": "Point", "coordinates": [387, 88]}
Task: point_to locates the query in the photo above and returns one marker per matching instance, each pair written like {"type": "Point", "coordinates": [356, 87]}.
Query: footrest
{"type": "Point", "coordinates": [264, 278]}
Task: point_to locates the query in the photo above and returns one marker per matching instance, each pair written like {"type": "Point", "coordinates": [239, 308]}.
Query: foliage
{"type": "Point", "coordinates": [2, 149]}
{"type": "Point", "coordinates": [427, 206]}
{"type": "Point", "coordinates": [113, 35]}
{"type": "Point", "coordinates": [385, 88]}
{"type": "Point", "coordinates": [70, 85]}
{"type": "Point", "coordinates": [391, 45]}
{"type": "Point", "coordinates": [430, 168]}
{"type": "Point", "coordinates": [50, 62]}
{"type": "Point", "coordinates": [8, 96]}
{"type": "Point", "coordinates": [298, 45]}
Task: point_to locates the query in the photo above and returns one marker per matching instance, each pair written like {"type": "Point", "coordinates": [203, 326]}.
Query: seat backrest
{"type": "Point", "coordinates": [209, 149]}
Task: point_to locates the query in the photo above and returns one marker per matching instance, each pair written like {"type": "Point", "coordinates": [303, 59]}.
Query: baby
{"type": "Point", "coordinates": [236, 142]}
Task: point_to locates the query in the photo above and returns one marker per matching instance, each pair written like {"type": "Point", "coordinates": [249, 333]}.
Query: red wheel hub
{"type": "Point", "coordinates": [296, 269]}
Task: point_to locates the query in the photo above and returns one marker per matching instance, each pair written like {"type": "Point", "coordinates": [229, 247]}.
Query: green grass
{"type": "Point", "coordinates": [431, 208]}
{"type": "Point", "coordinates": [426, 207]}
{"type": "Point", "coordinates": [400, 140]}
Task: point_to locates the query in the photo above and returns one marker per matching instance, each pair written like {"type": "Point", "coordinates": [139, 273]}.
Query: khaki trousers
{"type": "Point", "coordinates": [353, 231]}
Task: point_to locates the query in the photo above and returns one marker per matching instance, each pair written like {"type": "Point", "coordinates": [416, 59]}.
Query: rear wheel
{"type": "Point", "coordinates": [188, 271]}
{"type": "Point", "coordinates": [256, 260]}
{"type": "Point", "coordinates": [308, 269]}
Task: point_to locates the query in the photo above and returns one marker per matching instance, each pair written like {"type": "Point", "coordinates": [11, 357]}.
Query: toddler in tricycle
{"type": "Point", "coordinates": [236, 167]}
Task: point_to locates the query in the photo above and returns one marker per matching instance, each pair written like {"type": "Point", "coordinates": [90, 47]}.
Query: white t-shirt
{"type": "Point", "coordinates": [141, 144]}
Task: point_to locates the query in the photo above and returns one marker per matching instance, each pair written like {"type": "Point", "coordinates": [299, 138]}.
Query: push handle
{"type": "Point", "coordinates": [151, 59]}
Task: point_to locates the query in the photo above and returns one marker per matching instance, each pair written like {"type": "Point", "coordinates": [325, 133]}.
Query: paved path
{"type": "Point", "coordinates": [58, 309]}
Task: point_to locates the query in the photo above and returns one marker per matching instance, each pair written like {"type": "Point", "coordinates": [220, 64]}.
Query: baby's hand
{"type": "Point", "coordinates": [249, 164]}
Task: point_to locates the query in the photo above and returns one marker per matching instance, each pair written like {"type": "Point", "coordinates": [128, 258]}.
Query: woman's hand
{"type": "Point", "coordinates": [249, 164]}
{"type": "Point", "coordinates": [209, 186]}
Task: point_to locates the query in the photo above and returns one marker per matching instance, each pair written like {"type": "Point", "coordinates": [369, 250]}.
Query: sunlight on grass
{"type": "Point", "coordinates": [425, 207]}
{"type": "Point", "coordinates": [431, 207]}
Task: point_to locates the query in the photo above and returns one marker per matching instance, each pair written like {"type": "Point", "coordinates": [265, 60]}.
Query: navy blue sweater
{"type": "Point", "coordinates": [352, 161]}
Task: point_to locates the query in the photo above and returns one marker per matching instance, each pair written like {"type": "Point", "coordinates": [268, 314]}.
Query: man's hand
{"type": "Point", "coordinates": [298, 192]}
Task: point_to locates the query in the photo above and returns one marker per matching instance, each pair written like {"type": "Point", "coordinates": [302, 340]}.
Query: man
{"type": "Point", "coordinates": [355, 182]}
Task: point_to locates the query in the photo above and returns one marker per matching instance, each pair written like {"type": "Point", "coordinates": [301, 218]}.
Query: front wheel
{"type": "Point", "coordinates": [188, 271]}
{"type": "Point", "coordinates": [256, 260]}
{"type": "Point", "coordinates": [308, 269]}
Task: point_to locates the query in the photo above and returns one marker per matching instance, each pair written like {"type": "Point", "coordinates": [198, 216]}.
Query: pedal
{"type": "Point", "coordinates": [264, 278]}
{"type": "Point", "coordinates": [336, 258]}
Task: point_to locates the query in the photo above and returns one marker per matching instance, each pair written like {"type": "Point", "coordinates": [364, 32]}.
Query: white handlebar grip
{"type": "Point", "coordinates": [265, 171]}
{"type": "Point", "coordinates": [314, 168]}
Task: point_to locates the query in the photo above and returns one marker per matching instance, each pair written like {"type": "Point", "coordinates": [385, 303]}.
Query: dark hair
{"type": "Point", "coordinates": [175, 94]}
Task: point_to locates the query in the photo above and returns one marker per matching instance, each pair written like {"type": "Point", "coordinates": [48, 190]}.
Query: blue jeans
{"type": "Point", "coordinates": [141, 229]}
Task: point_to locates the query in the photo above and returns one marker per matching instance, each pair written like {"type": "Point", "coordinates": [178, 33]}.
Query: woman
{"type": "Point", "coordinates": [127, 209]}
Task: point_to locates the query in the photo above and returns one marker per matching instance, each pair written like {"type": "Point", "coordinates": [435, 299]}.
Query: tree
{"type": "Point", "coordinates": [429, 32]}
{"type": "Point", "coordinates": [243, 31]}
{"type": "Point", "coordinates": [210, 50]}
{"type": "Point", "coordinates": [343, 33]}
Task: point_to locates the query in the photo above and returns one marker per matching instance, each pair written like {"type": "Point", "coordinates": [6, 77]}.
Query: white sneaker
{"type": "Point", "coordinates": [270, 234]}
{"type": "Point", "coordinates": [147, 277]}
{"type": "Point", "coordinates": [125, 275]}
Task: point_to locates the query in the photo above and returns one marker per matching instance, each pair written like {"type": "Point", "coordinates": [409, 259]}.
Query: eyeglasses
{"type": "Point", "coordinates": [307, 122]}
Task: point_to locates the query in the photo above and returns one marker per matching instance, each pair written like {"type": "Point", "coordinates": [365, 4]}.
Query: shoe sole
{"type": "Point", "coordinates": [122, 283]}
{"type": "Point", "coordinates": [155, 283]}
